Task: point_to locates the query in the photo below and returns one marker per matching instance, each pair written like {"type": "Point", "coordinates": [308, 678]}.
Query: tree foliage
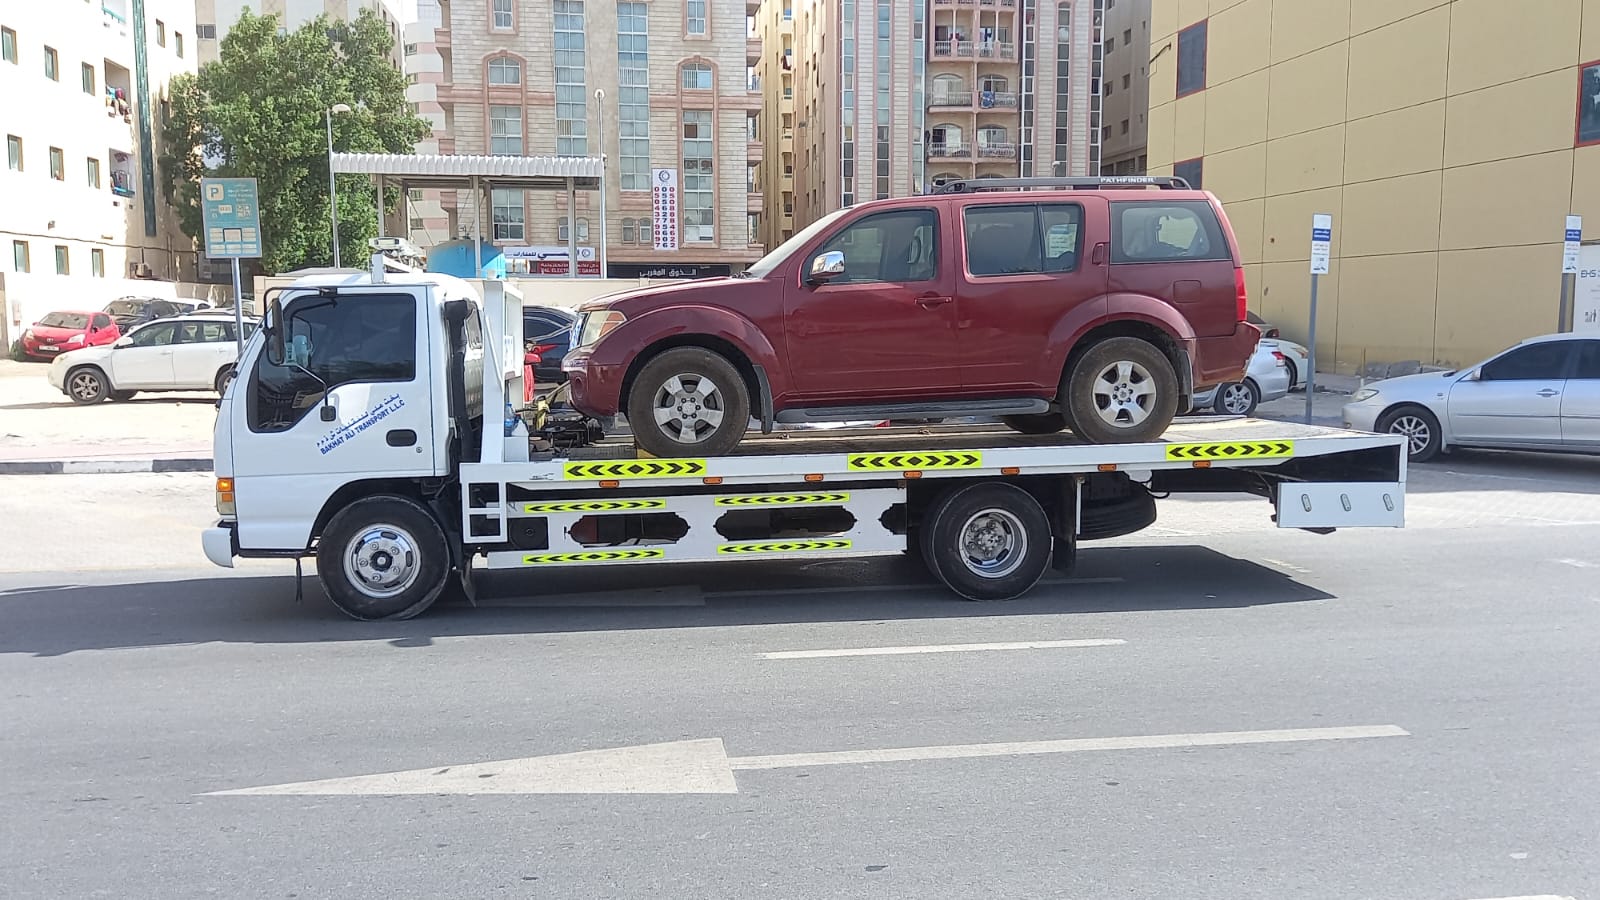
{"type": "Point", "coordinates": [257, 111]}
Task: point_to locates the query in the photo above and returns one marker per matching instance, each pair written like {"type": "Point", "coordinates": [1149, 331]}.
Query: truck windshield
{"type": "Point", "coordinates": [764, 266]}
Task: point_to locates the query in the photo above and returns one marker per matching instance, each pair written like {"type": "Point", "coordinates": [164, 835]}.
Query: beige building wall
{"type": "Point", "coordinates": [1443, 136]}
{"type": "Point", "coordinates": [80, 198]}
{"type": "Point", "coordinates": [469, 42]}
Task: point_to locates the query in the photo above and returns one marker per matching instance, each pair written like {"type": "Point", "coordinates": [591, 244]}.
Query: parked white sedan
{"type": "Point", "coordinates": [1542, 394]}
{"type": "Point", "coordinates": [186, 353]}
{"type": "Point", "coordinates": [1266, 379]}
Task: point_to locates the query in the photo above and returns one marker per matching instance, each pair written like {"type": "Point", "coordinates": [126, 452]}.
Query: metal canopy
{"type": "Point", "coordinates": [457, 172]}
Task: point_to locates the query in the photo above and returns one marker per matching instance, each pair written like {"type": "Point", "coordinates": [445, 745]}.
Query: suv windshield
{"type": "Point", "coordinates": [126, 307]}
{"type": "Point", "coordinates": [763, 267]}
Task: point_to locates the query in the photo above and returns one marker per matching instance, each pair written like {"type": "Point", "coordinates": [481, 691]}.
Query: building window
{"type": "Point", "coordinates": [1126, 81]}
{"type": "Point", "coordinates": [1192, 59]}
{"type": "Point", "coordinates": [1111, 45]}
{"type": "Point", "coordinates": [58, 164]}
{"type": "Point", "coordinates": [503, 16]}
{"type": "Point", "coordinates": [633, 95]}
{"type": "Point", "coordinates": [88, 79]}
{"type": "Point", "coordinates": [94, 172]}
{"type": "Point", "coordinates": [699, 179]}
{"type": "Point", "coordinates": [63, 260]}
{"type": "Point", "coordinates": [13, 153]}
{"type": "Point", "coordinates": [97, 263]}
{"type": "Point", "coordinates": [206, 32]}
{"type": "Point", "coordinates": [695, 18]}
{"type": "Point", "coordinates": [177, 43]}
{"type": "Point", "coordinates": [753, 228]}
{"type": "Point", "coordinates": [572, 104]}
{"type": "Point", "coordinates": [52, 69]}
{"type": "Point", "coordinates": [411, 50]}
{"type": "Point", "coordinates": [505, 130]}
{"type": "Point", "coordinates": [1124, 129]}
{"type": "Point", "coordinates": [507, 213]}
{"type": "Point", "coordinates": [1589, 104]}
{"type": "Point", "coordinates": [414, 195]}
{"type": "Point", "coordinates": [1190, 170]}
{"type": "Point", "coordinates": [504, 70]}
{"type": "Point", "coordinates": [8, 45]}
{"type": "Point", "coordinates": [19, 256]}
{"type": "Point", "coordinates": [696, 76]}
{"type": "Point", "coordinates": [564, 230]}
{"type": "Point", "coordinates": [1127, 36]}
{"type": "Point", "coordinates": [161, 33]}
{"type": "Point", "coordinates": [1063, 124]}
{"type": "Point", "coordinates": [630, 231]}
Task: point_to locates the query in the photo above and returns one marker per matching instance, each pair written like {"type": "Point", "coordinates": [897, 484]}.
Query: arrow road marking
{"type": "Point", "coordinates": [704, 767]}
{"type": "Point", "coordinates": [941, 648]}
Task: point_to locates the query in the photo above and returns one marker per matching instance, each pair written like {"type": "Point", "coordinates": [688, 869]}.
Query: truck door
{"type": "Point", "coordinates": [354, 404]}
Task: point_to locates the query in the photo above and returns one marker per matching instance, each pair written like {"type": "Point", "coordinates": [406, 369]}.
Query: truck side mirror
{"type": "Point", "coordinates": [827, 267]}
{"type": "Point", "coordinates": [277, 331]}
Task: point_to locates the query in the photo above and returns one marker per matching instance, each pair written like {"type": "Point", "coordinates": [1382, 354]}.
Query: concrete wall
{"type": "Point", "coordinates": [1439, 135]}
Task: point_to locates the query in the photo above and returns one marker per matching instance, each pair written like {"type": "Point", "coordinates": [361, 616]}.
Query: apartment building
{"type": "Point", "coordinates": [891, 97]}
{"type": "Point", "coordinates": [213, 18]}
{"type": "Point", "coordinates": [1125, 93]}
{"type": "Point", "coordinates": [772, 160]}
{"type": "Point", "coordinates": [658, 88]}
{"type": "Point", "coordinates": [427, 223]}
{"type": "Point", "coordinates": [1449, 139]}
{"type": "Point", "coordinates": [84, 88]}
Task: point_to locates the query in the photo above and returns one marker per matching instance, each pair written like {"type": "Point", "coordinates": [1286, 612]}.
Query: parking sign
{"type": "Point", "coordinates": [231, 218]}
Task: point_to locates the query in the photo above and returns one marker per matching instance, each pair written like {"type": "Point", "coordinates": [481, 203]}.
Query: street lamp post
{"type": "Point", "coordinates": [333, 190]}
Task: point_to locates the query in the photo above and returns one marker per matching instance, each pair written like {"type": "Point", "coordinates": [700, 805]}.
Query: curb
{"type": "Point", "coordinates": [102, 466]}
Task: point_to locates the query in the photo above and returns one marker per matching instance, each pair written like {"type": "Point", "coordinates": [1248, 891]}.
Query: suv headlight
{"type": "Point", "coordinates": [597, 325]}
{"type": "Point", "coordinates": [1363, 395]}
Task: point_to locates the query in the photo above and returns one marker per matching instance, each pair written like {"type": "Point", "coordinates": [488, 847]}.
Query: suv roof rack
{"type": "Point", "coordinates": [974, 185]}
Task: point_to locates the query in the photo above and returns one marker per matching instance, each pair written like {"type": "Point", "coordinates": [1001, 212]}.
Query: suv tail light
{"type": "Point", "coordinates": [1241, 300]}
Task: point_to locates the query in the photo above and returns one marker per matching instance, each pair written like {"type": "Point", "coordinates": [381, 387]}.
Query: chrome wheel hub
{"type": "Point", "coordinates": [1124, 394]}
{"type": "Point", "coordinates": [1417, 433]}
{"type": "Point", "coordinates": [993, 543]}
{"type": "Point", "coordinates": [382, 561]}
{"type": "Point", "coordinates": [689, 408]}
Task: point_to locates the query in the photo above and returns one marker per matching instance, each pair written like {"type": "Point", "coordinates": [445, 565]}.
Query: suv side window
{"type": "Point", "coordinates": [1145, 231]}
{"type": "Point", "coordinates": [154, 335]}
{"type": "Point", "coordinates": [1022, 239]}
{"type": "Point", "coordinates": [897, 246]}
{"type": "Point", "coordinates": [365, 337]}
{"type": "Point", "coordinates": [1535, 362]}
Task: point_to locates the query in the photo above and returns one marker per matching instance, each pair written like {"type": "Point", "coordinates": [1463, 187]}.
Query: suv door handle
{"type": "Point", "coordinates": [1097, 256]}
{"type": "Point", "coordinates": [1547, 392]}
{"type": "Point", "coordinates": [929, 301]}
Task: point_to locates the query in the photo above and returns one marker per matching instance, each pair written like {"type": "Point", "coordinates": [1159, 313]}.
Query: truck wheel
{"type": "Point", "coordinates": [688, 401]}
{"type": "Point", "coordinates": [987, 541]}
{"type": "Point", "coordinates": [1421, 430]}
{"type": "Point", "coordinates": [87, 384]}
{"type": "Point", "coordinates": [383, 557]}
{"type": "Point", "coordinates": [1121, 390]}
{"type": "Point", "coordinates": [1039, 423]}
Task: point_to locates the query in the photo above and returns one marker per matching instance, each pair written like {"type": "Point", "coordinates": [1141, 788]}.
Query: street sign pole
{"type": "Point", "coordinates": [1321, 244]}
{"type": "Point", "coordinates": [1571, 247]}
{"type": "Point", "coordinates": [230, 215]}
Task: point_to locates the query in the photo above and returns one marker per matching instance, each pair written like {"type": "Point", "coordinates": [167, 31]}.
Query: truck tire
{"type": "Point", "coordinates": [688, 401]}
{"type": "Point", "coordinates": [987, 541]}
{"type": "Point", "coordinates": [1121, 390]}
{"type": "Point", "coordinates": [1036, 423]}
{"type": "Point", "coordinates": [383, 557]}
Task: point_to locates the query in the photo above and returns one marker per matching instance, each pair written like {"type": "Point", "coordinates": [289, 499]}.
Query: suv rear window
{"type": "Point", "coordinates": [1170, 231]}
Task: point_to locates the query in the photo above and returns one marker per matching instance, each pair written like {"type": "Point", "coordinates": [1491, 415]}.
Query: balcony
{"type": "Point", "coordinates": [993, 101]}
{"type": "Point", "coordinates": [951, 150]}
{"type": "Point", "coordinates": [950, 99]}
{"type": "Point", "coordinates": [997, 50]}
{"type": "Point", "coordinates": [752, 7]}
{"type": "Point", "coordinates": [752, 51]}
{"type": "Point", "coordinates": [752, 149]}
{"type": "Point", "coordinates": [753, 202]}
{"type": "Point", "coordinates": [1001, 4]}
{"type": "Point", "coordinates": [997, 150]}
{"type": "Point", "coordinates": [952, 50]}
{"type": "Point", "coordinates": [945, 3]}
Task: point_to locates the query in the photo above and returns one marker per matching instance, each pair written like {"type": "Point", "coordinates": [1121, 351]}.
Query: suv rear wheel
{"type": "Point", "coordinates": [688, 401]}
{"type": "Point", "coordinates": [1121, 390]}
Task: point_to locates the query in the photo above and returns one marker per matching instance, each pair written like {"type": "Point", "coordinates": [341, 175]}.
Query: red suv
{"type": "Point", "coordinates": [1101, 305]}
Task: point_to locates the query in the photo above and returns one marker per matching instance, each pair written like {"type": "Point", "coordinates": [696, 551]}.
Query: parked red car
{"type": "Point", "coordinates": [1101, 305]}
{"type": "Point", "coordinates": [59, 332]}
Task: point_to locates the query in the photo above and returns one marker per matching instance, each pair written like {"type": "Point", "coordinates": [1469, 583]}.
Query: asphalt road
{"type": "Point", "coordinates": [1428, 696]}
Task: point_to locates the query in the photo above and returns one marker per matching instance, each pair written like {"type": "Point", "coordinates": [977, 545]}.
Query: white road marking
{"type": "Point", "coordinates": [942, 648]}
{"type": "Point", "coordinates": [1289, 567]}
{"type": "Point", "coordinates": [704, 767]}
{"type": "Point", "coordinates": [1576, 563]}
{"type": "Point", "coordinates": [1533, 897]}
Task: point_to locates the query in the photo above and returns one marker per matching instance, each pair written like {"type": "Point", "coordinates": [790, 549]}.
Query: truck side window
{"type": "Point", "coordinates": [352, 338]}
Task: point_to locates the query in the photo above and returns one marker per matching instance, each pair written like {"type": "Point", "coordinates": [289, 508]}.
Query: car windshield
{"type": "Point", "coordinates": [764, 266]}
{"type": "Point", "coordinates": [126, 307]}
{"type": "Point", "coordinates": [65, 320]}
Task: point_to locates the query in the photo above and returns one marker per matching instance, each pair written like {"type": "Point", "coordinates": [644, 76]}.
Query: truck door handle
{"type": "Point", "coordinates": [402, 437]}
{"type": "Point", "coordinates": [929, 301]}
{"type": "Point", "coordinates": [1547, 392]}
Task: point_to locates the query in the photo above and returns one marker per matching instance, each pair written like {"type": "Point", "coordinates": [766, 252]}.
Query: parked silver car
{"type": "Point", "coordinates": [1542, 394]}
{"type": "Point", "coordinates": [1266, 379]}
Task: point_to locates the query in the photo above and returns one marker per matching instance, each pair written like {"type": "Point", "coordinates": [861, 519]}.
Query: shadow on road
{"type": "Point", "coordinates": [1506, 470]}
{"type": "Point", "coordinates": [60, 619]}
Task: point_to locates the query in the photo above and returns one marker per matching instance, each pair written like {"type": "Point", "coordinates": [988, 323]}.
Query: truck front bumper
{"type": "Point", "coordinates": [220, 543]}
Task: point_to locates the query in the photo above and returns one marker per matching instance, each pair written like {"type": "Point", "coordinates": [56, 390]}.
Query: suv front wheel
{"type": "Point", "coordinates": [688, 401]}
{"type": "Point", "coordinates": [1121, 390]}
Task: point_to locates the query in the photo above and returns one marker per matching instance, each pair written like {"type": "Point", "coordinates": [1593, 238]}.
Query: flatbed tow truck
{"type": "Point", "coordinates": [402, 488]}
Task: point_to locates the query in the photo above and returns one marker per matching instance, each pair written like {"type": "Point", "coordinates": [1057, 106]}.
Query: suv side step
{"type": "Point", "coordinates": [1018, 406]}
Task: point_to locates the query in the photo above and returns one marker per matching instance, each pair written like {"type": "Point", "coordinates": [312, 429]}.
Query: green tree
{"type": "Point", "coordinates": [257, 112]}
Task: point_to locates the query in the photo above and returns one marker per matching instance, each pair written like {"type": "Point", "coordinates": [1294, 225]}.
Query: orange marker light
{"type": "Point", "coordinates": [911, 474]}
{"type": "Point", "coordinates": [711, 479]}
{"type": "Point", "coordinates": [1010, 470]}
{"type": "Point", "coordinates": [609, 483]}
{"type": "Point", "coordinates": [1202, 464]}
{"type": "Point", "coordinates": [813, 478]}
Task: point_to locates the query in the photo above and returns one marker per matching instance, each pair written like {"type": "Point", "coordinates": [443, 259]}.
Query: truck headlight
{"type": "Point", "coordinates": [225, 504]}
